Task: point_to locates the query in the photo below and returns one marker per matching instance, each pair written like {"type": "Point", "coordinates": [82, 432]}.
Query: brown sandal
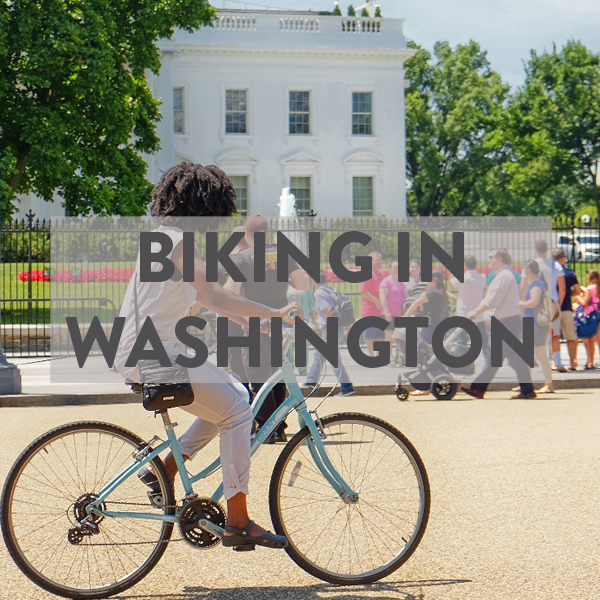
{"type": "Point", "coordinates": [244, 542]}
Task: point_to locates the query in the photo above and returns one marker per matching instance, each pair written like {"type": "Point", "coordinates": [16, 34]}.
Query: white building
{"type": "Point", "coordinates": [295, 99]}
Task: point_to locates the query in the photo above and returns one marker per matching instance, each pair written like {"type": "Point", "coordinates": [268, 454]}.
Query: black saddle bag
{"type": "Point", "coordinates": [164, 387]}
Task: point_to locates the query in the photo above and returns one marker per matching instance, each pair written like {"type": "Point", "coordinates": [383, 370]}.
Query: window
{"type": "Point", "coordinates": [362, 196]}
{"type": "Point", "coordinates": [236, 111]}
{"type": "Point", "coordinates": [299, 113]}
{"type": "Point", "coordinates": [300, 187]}
{"type": "Point", "coordinates": [178, 114]}
{"type": "Point", "coordinates": [240, 184]}
{"type": "Point", "coordinates": [362, 113]}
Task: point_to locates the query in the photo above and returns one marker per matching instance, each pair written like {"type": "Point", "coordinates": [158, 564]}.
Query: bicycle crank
{"type": "Point", "coordinates": [201, 522]}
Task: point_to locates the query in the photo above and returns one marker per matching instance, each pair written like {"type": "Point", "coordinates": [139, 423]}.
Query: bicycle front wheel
{"type": "Point", "coordinates": [44, 507]}
{"type": "Point", "coordinates": [351, 543]}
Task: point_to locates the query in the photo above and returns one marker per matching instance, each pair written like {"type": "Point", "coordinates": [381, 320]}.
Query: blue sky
{"type": "Point", "coordinates": [507, 29]}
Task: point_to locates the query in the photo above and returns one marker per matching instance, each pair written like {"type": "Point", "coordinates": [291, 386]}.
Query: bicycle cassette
{"type": "Point", "coordinates": [192, 512]}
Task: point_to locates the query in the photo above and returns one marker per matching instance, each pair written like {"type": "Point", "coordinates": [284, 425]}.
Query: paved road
{"type": "Point", "coordinates": [515, 506]}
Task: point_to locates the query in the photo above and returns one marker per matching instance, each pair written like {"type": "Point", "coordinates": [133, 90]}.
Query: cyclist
{"type": "Point", "coordinates": [220, 402]}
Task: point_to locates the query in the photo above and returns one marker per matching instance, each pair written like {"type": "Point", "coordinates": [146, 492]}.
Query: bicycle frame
{"type": "Point", "coordinates": [295, 401]}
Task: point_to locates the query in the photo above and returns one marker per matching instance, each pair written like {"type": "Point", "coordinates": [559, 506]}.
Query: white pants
{"type": "Point", "coordinates": [222, 406]}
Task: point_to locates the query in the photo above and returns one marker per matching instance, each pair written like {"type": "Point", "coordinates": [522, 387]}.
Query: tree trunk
{"type": "Point", "coordinates": [15, 178]}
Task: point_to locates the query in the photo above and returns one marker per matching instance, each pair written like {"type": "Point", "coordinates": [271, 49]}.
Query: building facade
{"type": "Point", "coordinates": [301, 100]}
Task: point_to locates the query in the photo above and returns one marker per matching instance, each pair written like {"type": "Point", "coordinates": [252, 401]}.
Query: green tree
{"type": "Point", "coordinates": [337, 11]}
{"type": "Point", "coordinates": [454, 108]}
{"type": "Point", "coordinates": [555, 128]}
{"type": "Point", "coordinates": [378, 11]}
{"type": "Point", "coordinates": [351, 11]}
{"type": "Point", "coordinates": [364, 12]}
{"type": "Point", "coordinates": [76, 111]}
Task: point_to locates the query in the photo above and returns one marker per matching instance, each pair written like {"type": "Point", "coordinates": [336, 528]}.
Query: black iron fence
{"type": "Point", "coordinates": [98, 264]}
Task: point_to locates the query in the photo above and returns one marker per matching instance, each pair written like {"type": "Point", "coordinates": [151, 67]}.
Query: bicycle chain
{"type": "Point", "coordinates": [143, 504]}
{"type": "Point", "coordinates": [169, 541]}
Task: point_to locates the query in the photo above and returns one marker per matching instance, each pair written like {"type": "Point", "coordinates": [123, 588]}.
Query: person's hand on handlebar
{"type": "Point", "coordinates": [290, 312]}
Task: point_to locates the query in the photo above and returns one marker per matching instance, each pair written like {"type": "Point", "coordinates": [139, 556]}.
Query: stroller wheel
{"type": "Point", "coordinates": [444, 388]}
{"type": "Point", "coordinates": [401, 393]}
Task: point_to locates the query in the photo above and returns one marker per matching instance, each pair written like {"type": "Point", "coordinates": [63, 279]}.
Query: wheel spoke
{"type": "Point", "coordinates": [344, 542]}
{"type": "Point", "coordinates": [45, 499]}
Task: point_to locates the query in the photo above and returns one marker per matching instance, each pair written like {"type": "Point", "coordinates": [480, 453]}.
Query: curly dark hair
{"type": "Point", "coordinates": [191, 190]}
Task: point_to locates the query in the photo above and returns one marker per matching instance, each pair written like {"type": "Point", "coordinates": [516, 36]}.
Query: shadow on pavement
{"type": "Point", "coordinates": [406, 590]}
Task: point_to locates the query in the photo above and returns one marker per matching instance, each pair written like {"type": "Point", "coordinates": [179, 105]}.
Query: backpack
{"type": "Point", "coordinates": [546, 311]}
{"type": "Point", "coordinates": [342, 307]}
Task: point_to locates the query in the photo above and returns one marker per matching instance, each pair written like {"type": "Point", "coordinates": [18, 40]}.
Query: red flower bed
{"type": "Point", "coordinates": [88, 276]}
{"type": "Point", "coordinates": [35, 276]}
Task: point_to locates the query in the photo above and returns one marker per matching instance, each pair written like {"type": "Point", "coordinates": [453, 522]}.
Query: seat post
{"type": "Point", "coordinates": [166, 419]}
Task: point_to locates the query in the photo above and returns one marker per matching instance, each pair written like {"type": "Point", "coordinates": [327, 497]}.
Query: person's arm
{"type": "Point", "coordinates": [562, 289]}
{"type": "Point", "coordinates": [233, 286]}
{"type": "Point", "coordinates": [493, 296]}
{"type": "Point", "coordinates": [523, 287]}
{"type": "Point", "coordinates": [299, 280]}
{"type": "Point", "coordinates": [383, 294]}
{"type": "Point", "coordinates": [584, 298]}
{"type": "Point", "coordinates": [412, 309]}
{"type": "Point", "coordinates": [368, 296]}
{"type": "Point", "coordinates": [200, 302]}
{"type": "Point", "coordinates": [217, 298]}
{"type": "Point", "coordinates": [534, 298]}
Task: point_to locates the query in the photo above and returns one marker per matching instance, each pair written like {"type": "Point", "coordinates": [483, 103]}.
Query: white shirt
{"type": "Point", "coordinates": [502, 295]}
{"type": "Point", "coordinates": [164, 302]}
{"type": "Point", "coordinates": [552, 270]}
{"type": "Point", "coordinates": [470, 293]}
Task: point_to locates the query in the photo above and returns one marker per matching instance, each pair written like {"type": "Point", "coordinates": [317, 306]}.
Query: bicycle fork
{"type": "Point", "coordinates": [321, 458]}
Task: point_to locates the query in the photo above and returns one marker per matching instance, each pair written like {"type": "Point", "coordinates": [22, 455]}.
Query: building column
{"type": "Point", "coordinates": [164, 159]}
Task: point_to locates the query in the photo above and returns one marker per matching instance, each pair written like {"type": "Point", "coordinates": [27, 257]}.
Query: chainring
{"type": "Point", "coordinates": [195, 510]}
{"type": "Point", "coordinates": [80, 505]}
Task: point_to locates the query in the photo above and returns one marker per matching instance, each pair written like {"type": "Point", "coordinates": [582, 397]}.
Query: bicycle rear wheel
{"type": "Point", "coordinates": [43, 506]}
{"type": "Point", "coordinates": [351, 543]}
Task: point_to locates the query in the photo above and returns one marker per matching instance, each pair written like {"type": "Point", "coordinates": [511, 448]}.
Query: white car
{"type": "Point", "coordinates": [587, 245]}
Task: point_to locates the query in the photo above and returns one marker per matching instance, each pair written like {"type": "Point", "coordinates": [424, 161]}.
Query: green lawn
{"type": "Point", "coordinates": [107, 292]}
{"type": "Point", "coordinates": [104, 293]}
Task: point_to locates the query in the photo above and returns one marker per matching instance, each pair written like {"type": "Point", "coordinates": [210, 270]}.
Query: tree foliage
{"type": "Point", "coordinates": [364, 12]}
{"type": "Point", "coordinates": [378, 11]}
{"type": "Point", "coordinates": [351, 11]}
{"type": "Point", "coordinates": [455, 142]}
{"type": "Point", "coordinates": [75, 108]}
{"type": "Point", "coordinates": [555, 128]}
{"type": "Point", "coordinates": [337, 11]}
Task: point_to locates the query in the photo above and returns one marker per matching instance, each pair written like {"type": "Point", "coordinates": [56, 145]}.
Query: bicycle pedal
{"type": "Point", "coordinates": [244, 548]}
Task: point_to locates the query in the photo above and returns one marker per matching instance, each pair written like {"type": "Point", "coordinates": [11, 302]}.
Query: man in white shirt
{"type": "Point", "coordinates": [502, 298]}
{"type": "Point", "coordinates": [470, 294]}
{"type": "Point", "coordinates": [554, 274]}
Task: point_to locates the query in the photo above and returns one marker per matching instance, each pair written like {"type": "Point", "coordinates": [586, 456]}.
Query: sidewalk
{"type": "Point", "coordinates": [39, 389]}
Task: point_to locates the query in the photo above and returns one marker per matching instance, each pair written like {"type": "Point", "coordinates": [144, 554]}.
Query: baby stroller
{"type": "Point", "coordinates": [430, 374]}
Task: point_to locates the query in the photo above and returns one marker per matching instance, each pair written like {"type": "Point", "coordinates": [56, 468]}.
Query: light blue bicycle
{"type": "Point", "coordinates": [348, 490]}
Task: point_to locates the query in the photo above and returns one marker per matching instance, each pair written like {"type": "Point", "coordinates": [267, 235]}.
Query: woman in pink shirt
{"type": "Point", "coordinates": [590, 299]}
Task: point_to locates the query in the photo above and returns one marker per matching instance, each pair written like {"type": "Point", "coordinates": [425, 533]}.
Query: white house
{"type": "Point", "coordinates": [297, 99]}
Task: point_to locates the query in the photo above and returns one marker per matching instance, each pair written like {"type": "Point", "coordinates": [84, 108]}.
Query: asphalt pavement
{"type": "Point", "coordinates": [515, 503]}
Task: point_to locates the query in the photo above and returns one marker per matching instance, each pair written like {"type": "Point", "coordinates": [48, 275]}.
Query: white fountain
{"type": "Point", "coordinates": [288, 221]}
{"type": "Point", "coordinates": [287, 203]}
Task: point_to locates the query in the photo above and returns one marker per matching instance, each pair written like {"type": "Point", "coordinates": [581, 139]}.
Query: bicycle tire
{"type": "Point", "coordinates": [308, 510]}
{"type": "Point", "coordinates": [61, 549]}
